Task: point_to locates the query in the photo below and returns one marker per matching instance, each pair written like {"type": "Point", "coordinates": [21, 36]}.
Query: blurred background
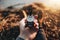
{"type": "Point", "coordinates": [11, 12]}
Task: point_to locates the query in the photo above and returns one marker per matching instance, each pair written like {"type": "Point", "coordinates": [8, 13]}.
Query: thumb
{"type": "Point", "coordinates": [22, 24]}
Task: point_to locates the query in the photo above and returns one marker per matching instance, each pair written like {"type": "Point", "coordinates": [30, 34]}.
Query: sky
{"type": "Point", "coordinates": [50, 3]}
{"type": "Point", "coordinates": [6, 3]}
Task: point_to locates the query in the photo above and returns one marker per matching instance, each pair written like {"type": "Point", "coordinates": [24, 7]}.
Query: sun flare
{"type": "Point", "coordinates": [53, 3]}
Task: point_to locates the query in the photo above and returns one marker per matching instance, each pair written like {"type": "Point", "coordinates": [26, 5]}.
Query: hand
{"type": "Point", "coordinates": [27, 33]}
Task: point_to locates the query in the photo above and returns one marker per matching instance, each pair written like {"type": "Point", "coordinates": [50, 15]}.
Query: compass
{"type": "Point", "coordinates": [30, 18]}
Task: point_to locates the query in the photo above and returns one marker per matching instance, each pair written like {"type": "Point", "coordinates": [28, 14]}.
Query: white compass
{"type": "Point", "coordinates": [30, 18]}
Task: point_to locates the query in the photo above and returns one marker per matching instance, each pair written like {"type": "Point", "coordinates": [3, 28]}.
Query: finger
{"type": "Point", "coordinates": [22, 24]}
{"type": "Point", "coordinates": [36, 16]}
{"type": "Point", "coordinates": [25, 15]}
{"type": "Point", "coordinates": [36, 23]}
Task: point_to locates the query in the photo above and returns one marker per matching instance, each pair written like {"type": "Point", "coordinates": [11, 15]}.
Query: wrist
{"type": "Point", "coordinates": [21, 36]}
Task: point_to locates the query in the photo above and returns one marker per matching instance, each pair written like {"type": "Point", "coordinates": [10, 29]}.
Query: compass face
{"type": "Point", "coordinates": [30, 18]}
